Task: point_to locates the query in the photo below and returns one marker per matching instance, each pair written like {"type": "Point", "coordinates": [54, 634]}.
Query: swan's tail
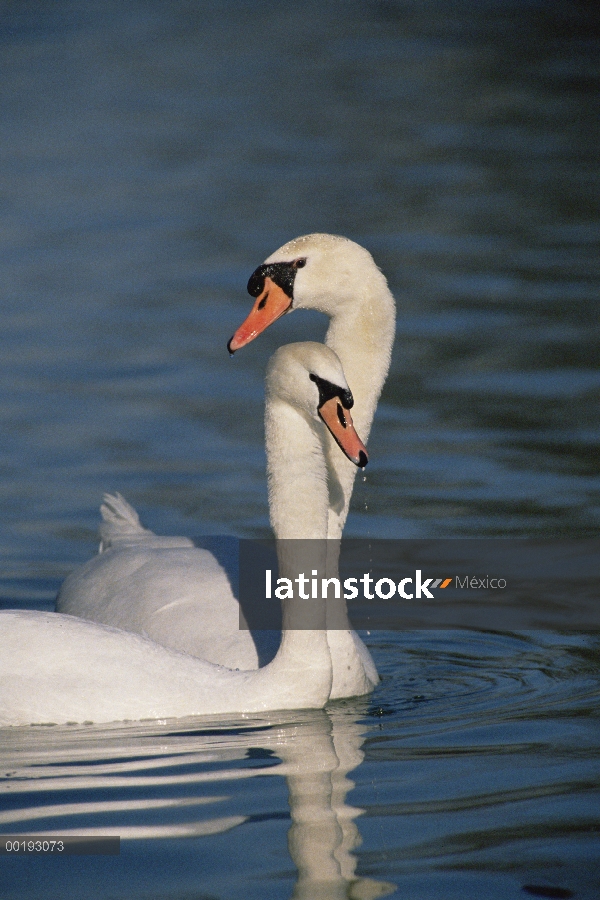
{"type": "Point", "coordinates": [119, 521]}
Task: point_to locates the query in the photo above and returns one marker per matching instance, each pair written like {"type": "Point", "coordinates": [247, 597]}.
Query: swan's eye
{"type": "Point", "coordinates": [300, 263]}
{"type": "Point", "coordinates": [328, 390]}
{"type": "Point", "coordinates": [341, 416]}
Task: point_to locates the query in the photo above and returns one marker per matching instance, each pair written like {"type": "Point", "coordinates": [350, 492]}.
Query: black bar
{"type": "Point", "coordinates": [58, 845]}
{"type": "Point", "coordinates": [504, 584]}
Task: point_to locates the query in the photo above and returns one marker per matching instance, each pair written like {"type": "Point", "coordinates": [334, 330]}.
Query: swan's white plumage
{"type": "Point", "coordinates": [163, 588]}
{"type": "Point", "coordinates": [59, 668]}
{"type": "Point", "coordinates": [178, 594]}
{"type": "Point", "coordinates": [120, 522]}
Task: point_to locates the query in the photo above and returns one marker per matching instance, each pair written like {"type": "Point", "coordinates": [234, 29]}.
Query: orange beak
{"type": "Point", "coordinates": [339, 422]}
{"type": "Point", "coordinates": [268, 307]}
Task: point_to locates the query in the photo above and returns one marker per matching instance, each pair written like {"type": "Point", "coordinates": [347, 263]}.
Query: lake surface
{"type": "Point", "coordinates": [152, 155]}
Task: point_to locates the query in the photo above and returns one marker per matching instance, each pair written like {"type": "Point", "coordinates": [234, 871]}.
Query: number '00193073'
{"type": "Point", "coordinates": [38, 846]}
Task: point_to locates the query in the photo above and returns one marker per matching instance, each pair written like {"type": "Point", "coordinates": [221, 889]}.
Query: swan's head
{"type": "Point", "coordinates": [317, 271]}
{"type": "Point", "coordinates": [309, 377]}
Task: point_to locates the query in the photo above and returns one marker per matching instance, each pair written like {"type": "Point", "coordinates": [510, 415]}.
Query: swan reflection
{"type": "Point", "coordinates": [201, 760]}
{"type": "Point", "coordinates": [324, 833]}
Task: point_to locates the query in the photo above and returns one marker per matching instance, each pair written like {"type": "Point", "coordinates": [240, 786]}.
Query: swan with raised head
{"type": "Point", "coordinates": [337, 277]}
{"type": "Point", "coordinates": [177, 593]}
{"type": "Point", "coordinates": [59, 668]}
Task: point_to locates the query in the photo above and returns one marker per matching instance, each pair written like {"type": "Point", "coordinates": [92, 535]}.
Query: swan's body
{"type": "Point", "coordinates": [178, 594]}
{"type": "Point", "coordinates": [58, 668]}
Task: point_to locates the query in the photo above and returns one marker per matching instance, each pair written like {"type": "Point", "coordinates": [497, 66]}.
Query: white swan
{"type": "Point", "coordinates": [178, 594]}
{"type": "Point", "coordinates": [58, 668]}
{"type": "Point", "coordinates": [339, 278]}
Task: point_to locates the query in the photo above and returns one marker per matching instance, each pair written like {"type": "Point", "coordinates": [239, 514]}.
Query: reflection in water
{"type": "Point", "coordinates": [316, 751]}
{"type": "Point", "coordinates": [324, 832]}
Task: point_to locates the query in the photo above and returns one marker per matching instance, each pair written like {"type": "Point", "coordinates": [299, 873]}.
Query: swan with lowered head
{"type": "Point", "coordinates": [58, 668]}
{"type": "Point", "coordinates": [177, 593]}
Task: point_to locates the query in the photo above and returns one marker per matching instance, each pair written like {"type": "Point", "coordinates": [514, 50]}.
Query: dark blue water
{"type": "Point", "coordinates": [152, 155]}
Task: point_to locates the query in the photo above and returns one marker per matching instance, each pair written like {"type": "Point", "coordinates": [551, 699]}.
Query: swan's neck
{"type": "Point", "coordinates": [297, 473]}
{"type": "Point", "coordinates": [362, 334]}
{"type": "Point", "coordinates": [298, 504]}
